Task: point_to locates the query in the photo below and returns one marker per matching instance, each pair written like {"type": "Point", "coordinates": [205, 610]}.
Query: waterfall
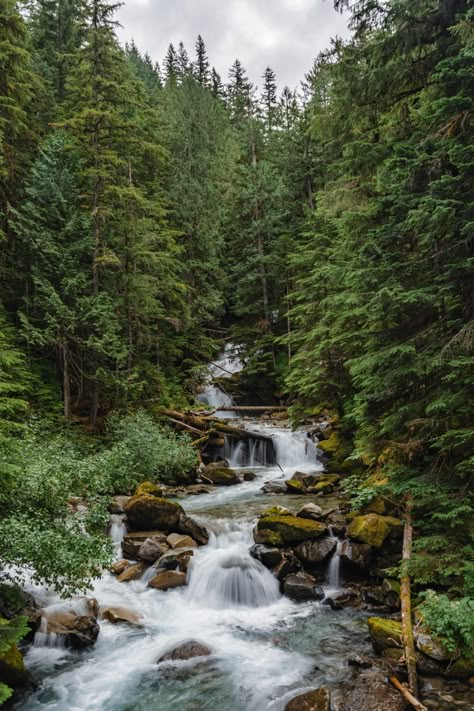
{"type": "Point", "coordinates": [117, 532]}
{"type": "Point", "coordinates": [214, 395]}
{"type": "Point", "coordinates": [249, 453]}
{"type": "Point", "coordinates": [333, 575]}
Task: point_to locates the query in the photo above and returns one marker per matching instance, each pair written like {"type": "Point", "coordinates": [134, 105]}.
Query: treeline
{"type": "Point", "coordinates": [330, 230]}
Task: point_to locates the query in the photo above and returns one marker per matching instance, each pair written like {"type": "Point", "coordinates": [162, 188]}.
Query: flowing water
{"type": "Point", "coordinates": [265, 648]}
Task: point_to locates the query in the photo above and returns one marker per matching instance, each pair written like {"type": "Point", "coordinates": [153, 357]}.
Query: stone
{"type": "Point", "coordinates": [370, 691]}
{"type": "Point", "coordinates": [180, 540]}
{"type": "Point", "coordinates": [318, 483]}
{"type": "Point", "coordinates": [376, 506]}
{"type": "Point", "coordinates": [391, 589]}
{"type": "Point", "coordinates": [356, 557]}
{"type": "Point", "coordinates": [119, 566]}
{"type": "Point", "coordinates": [189, 526]}
{"type": "Point", "coordinates": [148, 512]}
{"type": "Point", "coordinates": [132, 542]}
{"type": "Point", "coordinates": [315, 700]}
{"type": "Point", "coordinates": [118, 615]}
{"type": "Point", "coordinates": [430, 646]}
{"type": "Point", "coordinates": [13, 672]}
{"type": "Point", "coordinates": [222, 476]}
{"type": "Point", "coordinates": [384, 633]}
{"type": "Point", "coordinates": [249, 476]}
{"type": "Point", "coordinates": [75, 622]}
{"type": "Point", "coordinates": [302, 587]}
{"type": "Point", "coordinates": [315, 552]}
{"type": "Point", "coordinates": [167, 579]}
{"type": "Point", "coordinates": [289, 565]}
{"type": "Point", "coordinates": [133, 572]}
{"type": "Point", "coordinates": [177, 559]}
{"type": "Point", "coordinates": [371, 529]}
{"type": "Point", "coordinates": [185, 651]}
{"type": "Point", "coordinates": [287, 530]}
{"type": "Point", "coordinates": [151, 549]}
{"type": "Point", "coordinates": [270, 557]}
{"type": "Point", "coordinates": [147, 488]}
{"type": "Point", "coordinates": [117, 504]}
{"type": "Point", "coordinates": [310, 511]}
{"type": "Point", "coordinates": [276, 511]}
{"type": "Point", "coordinates": [274, 487]}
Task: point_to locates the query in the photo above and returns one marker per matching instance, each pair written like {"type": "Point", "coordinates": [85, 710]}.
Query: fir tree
{"type": "Point", "coordinates": [201, 65]}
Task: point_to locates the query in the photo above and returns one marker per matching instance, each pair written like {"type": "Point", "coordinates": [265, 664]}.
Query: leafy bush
{"type": "Point", "coordinates": [11, 631]}
{"type": "Point", "coordinates": [450, 620]}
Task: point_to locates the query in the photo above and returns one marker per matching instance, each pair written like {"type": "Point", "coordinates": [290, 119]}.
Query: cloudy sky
{"type": "Point", "coordinates": [284, 34]}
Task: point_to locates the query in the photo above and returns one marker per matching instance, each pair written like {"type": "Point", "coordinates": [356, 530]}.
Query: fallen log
{"type": "Point", "coordinates": [200, 442]}
{"type": "Point", "coordinates": [407, 695]}
{"type": "Point", "coordinates": [251, 408]}
{"type": "Point", "coordinates": [405, 597]}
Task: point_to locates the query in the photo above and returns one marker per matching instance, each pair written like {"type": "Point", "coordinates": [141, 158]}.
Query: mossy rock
{"type": "Point", "coordinates": [276, 511]}
{"type": "Point", "coordinates": [395, 525]}
{"type": "Point", "coordinates": [384, 633]}
{"type": "Point", "coordinates": [332, 446]}
{"type": "Point", "coordinates": [12, 669]}
{"type": "Point", "coordinates": [148, 488]}
{"type": "Point", "coordinates": [325, 484]}
{"type": "Point", "coordinates": [376, 506]}
{"type": "Point", "coordinates": [371, 529]}
{"type": "Point", "coordinates": [287, 530]}
{"type": "Point", "coordinates": [222, 476]}
{"type": "Point", "coordinates": [147, 513]}
{"type": "Point", "coordinates": [296, 486]}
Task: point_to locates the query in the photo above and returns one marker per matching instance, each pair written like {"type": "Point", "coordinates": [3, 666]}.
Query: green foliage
{"type": "Point", "coordinates": [452, 621]}
{"type": "Point", "coordinates": [11, 632]}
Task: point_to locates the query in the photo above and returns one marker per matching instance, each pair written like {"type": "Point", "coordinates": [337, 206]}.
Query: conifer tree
{"type": "Point", "coordinates": [171, 66]}
{"type": "Point", "coordinates": [269, 98]}
{"type": "Point", "coordinates": [183, 60]}
{"type": "Point", "coordinates": [201, 65]}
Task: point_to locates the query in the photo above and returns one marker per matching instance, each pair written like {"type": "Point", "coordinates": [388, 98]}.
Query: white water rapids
{"type": "Point", "coordinates": [265, 648]}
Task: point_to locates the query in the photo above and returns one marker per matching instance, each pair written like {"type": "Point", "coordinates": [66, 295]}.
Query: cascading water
{"type": "Point", "coordinates": [333, 576]}
{"type": "Point", "coordinates": [214, 395]}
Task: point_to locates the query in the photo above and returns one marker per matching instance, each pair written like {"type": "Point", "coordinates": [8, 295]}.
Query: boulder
{"type": "Point", "coordinates": [133, 572]}
{"type": "Point", "coordinates": [289, 565]}
{"type": "Point", "coordinates": [356, 557]}
{"type": "Point", "coordinates": [185, 651]}
{"type": "Point", "coordinates": [167, 579]}
{"type": "Point", "coordinates": [147, 488]}
{"type": "Point", "coordinates": [117, 504]}
{"type": "Point", "coordinates": [132, 542]}
{"type": "Point", "coordinates": [151, 549]}
{"type": "Point", "coordinates": [318, 483]}
{"type": "Point", "coordinates": [376, 506]}
{"type": "Point", "coordinates": [310, 511]}
{"type": "Point", "coordinates": [274, 487]}
{"type": "Point", "coordinates": [119, 566]}
{"type": "Point", "coordinates": [118, 615]}
{"type": "Point", "coordinates": [177, 559]}
{"type": "Point", "coordinates": [315, 552]}
{"type": "Point", "coordinates": [74, 622]}
{"type": "Point", "coordinates": [223, 476]}
{"type": "Point", "coordinates": [391, 589]}
{"type": "Point", "coordinates": [270, 557]}
{"type": "Point", "coordinates": [315, 700]}
{"type": "Point", "coordinates": [302, 587]}
{"type": "Point", "coordinates": [191, 527]}
{"type": "Point", "coordinates": [249, 476]}
{"type": "Point", "coordinates": [12, 669]}
{"type": "Point", "coordinates": [153, 512]}
{"type": "Point", "coordinates": [431, 646]}
{"type": "Point", "coordinates": [221, 464]}
{"type": "Point", "coordinates": [287, 530]}
{"type": "Point", "coordinates": [384, 633]}
{"type": "Point", "coordinates": [373, 529]}
{"type": "Point", "coordinates": [180, 540]}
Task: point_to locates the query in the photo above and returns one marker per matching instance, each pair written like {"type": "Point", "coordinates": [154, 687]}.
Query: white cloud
{"type": "Point", "coordinates": [284, 34]}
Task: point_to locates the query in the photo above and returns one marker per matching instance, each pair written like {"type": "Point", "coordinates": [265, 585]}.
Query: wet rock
{"type": "Point", "coordinates": [153, 512]}
{"type": "Point", "coordinates": [342, 599]}
{"type": "Point", "coordinates": [151, 549]}
{"type": "Point", "coordinates": [315, 700]}
{"type": "Point", "coordinates": [196, 489]}
{"type": "Point", "coordinates": [289, 565]}
{"type": "Point", "coordinates": [310, 511]}
{"type": "Point", "coordinates": [221, 464]}
{"type": "Point", "coordinates": [318, 483]}
{"type": "Point", "coordinates": [222, 476]}
{"type": "Point", "coordinates": [315, 552]}
{"type": "Point", "coordinates": [133, 572]}
{"type": "Point", "coordinates": [373, 529]}
{"type": "Point", "coordinates": [117, 504]}
{"type": "Point", "coordinates": [74, 622]}
{"type": "Point", "coordinates": [185, 651]}
{"type": "Point", "coordinates": [274, 487]}
{"type": "Point", "coordinates": [302, 587]}
{"type": "Point", "coordinates": [12, 669]}
{"type": "Point", "coordinates": [276, 511]}
{"type": "Point", "coordinates": [270, 557]}
{"type": "Point", "coordinates": [430, 646]}
{"type": "Point", "coordinates": [167, 579]}
{"type": "Point", "coordinates": [119, 615]}
{"type": "Point", "coordinates": [355, 660]}
{"type": "Point", "coordinates": [356, 557]}
{"type": "Point", "coordinates": [249, 476]}
{"type": "Point", "coordinates": [287, 530]}
{"type": "Point", "coordinates": [180, 540]}
{"type": "Point", "coordinates": [148, 488]}
{"type": "Point", "coordinates": [384, 633]}
{"type": "Point", "coordinates": [191, 527]}
{"type": "Point", "coordinates": [373, 596]}
{"type": "Point", "coordinates": [119, 566]}
{"type": "Point", "coordinates": [132, 542]}
{"type": "Point", "coordinates": [462, 668]}
{"type": "Point", "coordinates": [177, 559]}
{"type": "Point", "coordinates": [391, 589]}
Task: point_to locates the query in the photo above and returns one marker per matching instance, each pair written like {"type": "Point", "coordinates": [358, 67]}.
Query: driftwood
{"type": "Point", "coordinates": [405, 597]}
{"type": "Point", "coordinates": [407, 695]}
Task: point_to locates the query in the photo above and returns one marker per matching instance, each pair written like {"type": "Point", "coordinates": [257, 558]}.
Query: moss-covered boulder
{"type": "Point", "coordinates": [148, 488]}
{"type": "Point", "coordinates": [147, 512]}
{"type": "Point", "coordinates": [296, 486]}
{"type": "Point", "coordinates": [324, 484]}
{"type": "Point", "coordinates": [276, 511]}
{"type": "Point", "coordinates": [384, 633]}
{"type": "Point", "coordinates": [376, 506]}
{"type": "Point", "coordinates": [332, 446]}
{"type": "Point", "coordinates": [371, 529]}
{"type": "Point", "coordinates": [222, 476]}
{"type": "Point", "coordinates": [12, 669]}
{"type": "Point", "coordinates": [287, 530]}
{"type": "Point", "coordinates": [312, 483]}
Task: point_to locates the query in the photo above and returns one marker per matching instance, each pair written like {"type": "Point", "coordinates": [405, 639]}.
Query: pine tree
{"type": "Point", "coordinates": [201, 65]}
{"type": "Point", "coordinates": [171, 65]}
{"type": "Point", "coordinates": [217, 86]}
{"type": "Point", "coordinates": [269, 98]}
{"type": "Point", "coordinates": [183, 60]}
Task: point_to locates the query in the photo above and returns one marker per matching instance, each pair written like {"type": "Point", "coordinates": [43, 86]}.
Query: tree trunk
{"type": "Point", "coordinates": [405, 595]}
{"type": "Point", "coordinates": [66, 381]}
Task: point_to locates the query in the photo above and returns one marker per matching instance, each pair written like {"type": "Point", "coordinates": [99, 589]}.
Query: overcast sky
{"type": "Point", "coordinates": [284, 34]}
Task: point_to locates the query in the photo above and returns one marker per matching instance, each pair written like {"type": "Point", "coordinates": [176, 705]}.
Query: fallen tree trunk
{"type": "Point", "coordinates": [407, 695]}
{"type": "Point", "coordinates": [203, 425]}
{"type": "Point", "coordinates": [405, 596]}
{"type": "Point", "coordinates": [251, 408]}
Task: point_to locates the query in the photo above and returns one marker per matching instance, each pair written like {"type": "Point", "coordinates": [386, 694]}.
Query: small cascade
{"type": "Point", "coordinates": [43, 638]}
{"type": "Point", "coordinates": [227, 577]}
{"type": "Point", "coordinates": [333, 575]}
{"type": "Point", "coordinates": [249, 453]}
{"type": "Point", "coordinates": [215, 395]}
{"type": "Point", "coordinates": [117, 532]}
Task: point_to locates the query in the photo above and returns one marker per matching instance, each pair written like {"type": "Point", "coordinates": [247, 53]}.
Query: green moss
{"type": "Point", "coordinates": [276, 511]}
{"type": "Point", "coordinates": [384, 633]}
{"type": "Point", "coordinates": [332, 446]}
{"type": "Point", "coordinates": [13, 659]}
{"type": "Point", "coordinates": [371, 529]}
{"type": "Point", "coordinates": [460, 669]}
{"type": "Point", "coordinates": [296, 486]}
{"type": "Point", "coordinates": [291, 529]}
{"type": "Point", "coordinates": [147, 487]}
{"type": "Point", "coordinates": [222, 476]}
{"type": "Point", "coordinates": [376, 506]}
